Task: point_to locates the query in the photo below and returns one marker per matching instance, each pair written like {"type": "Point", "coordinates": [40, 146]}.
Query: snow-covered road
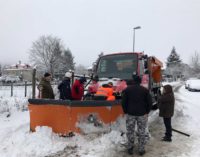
{"type": "Point", "coordinates": [16, 140]}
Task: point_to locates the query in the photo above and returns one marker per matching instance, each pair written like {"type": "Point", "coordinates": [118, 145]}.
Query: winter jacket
{"type": "Point", "coordinates": [136, 100]}
{"type": "Point", "coordinates": [45, 89]}
{"type": "Point", "coordinates": [106, 91]}
{"type": "Point", "coordinates": [166, 102]}
{"type": "Point", "coordinates": [65, 89]}
{"type": "Point", "coordinates": [77, 90]}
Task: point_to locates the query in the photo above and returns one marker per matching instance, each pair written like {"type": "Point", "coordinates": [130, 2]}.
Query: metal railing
{"type": "Point", "coordinates": [22, 89]}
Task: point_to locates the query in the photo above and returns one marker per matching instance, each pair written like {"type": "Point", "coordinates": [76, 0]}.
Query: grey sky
{"type": "Point", "coordinates": [89, 27]}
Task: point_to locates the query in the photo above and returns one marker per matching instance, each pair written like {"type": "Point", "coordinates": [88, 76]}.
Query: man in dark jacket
{"type": "Point", "coordinates": [136, 103]}
{"type": "Point", "coordinates": [45, 89]}
{"type": "Point", "coordinates": [166, 110]}
{"type": "Point", "coordinates": [65, 87]}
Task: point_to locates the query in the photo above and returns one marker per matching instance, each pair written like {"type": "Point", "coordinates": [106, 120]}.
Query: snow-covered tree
{"type": "Point", "coordinates": [174, 65]}
{"type": "Point", "coordinates": [195, 63]}
{"type": "Point", "coordinates": [173, 59]}
{"type": "Point", "coordinates": [49, 54]}
{"type": "Point", "coordinates": [68, 59]}
{"type": "Point", "coordinates": [66, 62]}
{"type": "Point", "coordinates": [81, 70]}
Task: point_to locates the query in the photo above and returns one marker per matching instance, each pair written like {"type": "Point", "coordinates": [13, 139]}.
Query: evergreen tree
{"type": "Point", "coordinates": [174, 65]}
{"type": "Point", "coordinates": [68, 60]}
{"type": "Point", "coordinates": [173, 59]}
{"type": "Point", "coordinates": [66, 63]}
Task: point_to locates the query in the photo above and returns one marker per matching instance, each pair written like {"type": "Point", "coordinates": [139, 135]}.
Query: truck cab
{"type": "Point", "coordinates": [120, 67]}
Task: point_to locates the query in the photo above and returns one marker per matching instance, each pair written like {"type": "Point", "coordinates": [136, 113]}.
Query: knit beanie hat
{"type": "Point", "coordinates": [82, 79]}
{"type": "Point", "coordinates": [137, 79]}
{"type": "Point", "coordinates": [68, 74]}
{"type": "Point", "coordinates": [47, 74]}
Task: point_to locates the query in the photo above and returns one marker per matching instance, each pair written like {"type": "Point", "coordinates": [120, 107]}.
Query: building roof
{"type": "Point", "coordinates": [19, 65]}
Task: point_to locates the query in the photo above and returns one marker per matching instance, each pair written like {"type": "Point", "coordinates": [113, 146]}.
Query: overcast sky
{"type": "Point", "coordinates": [88, 27]}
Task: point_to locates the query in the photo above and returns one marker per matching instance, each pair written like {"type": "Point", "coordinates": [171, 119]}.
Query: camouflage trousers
{"type": "Point", "coordinates": [131, 122]}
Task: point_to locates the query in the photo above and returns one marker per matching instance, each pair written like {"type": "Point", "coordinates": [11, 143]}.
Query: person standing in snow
{"type": "Point", "coordinates": [136, 104]}
{"type": "Point", "coordinates": [166, 110]}
{"type": "Point", "coordinates": [65, 88]}
{"type": "Point", "coordinates": [44, 87]}
{"type": "Point", "coordinates": [78, 89]}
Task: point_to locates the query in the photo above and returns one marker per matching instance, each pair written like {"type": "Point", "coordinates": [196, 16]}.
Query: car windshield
{"type": "Point", "coordinates": [117, 66]}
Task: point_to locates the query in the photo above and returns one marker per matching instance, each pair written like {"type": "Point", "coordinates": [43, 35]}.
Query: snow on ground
{"type": "Point", "coordinates": [17, 140]}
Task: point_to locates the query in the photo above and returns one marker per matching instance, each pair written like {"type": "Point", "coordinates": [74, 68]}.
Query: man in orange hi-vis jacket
{"type": "Point", "coordinates": [107, 91]}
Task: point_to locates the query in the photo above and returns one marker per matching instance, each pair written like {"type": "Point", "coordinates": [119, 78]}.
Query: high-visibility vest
{"type": "Point", "coordinates": [108, 92]}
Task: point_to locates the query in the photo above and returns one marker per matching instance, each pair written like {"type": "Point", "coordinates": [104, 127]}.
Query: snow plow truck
{"type": "Point", "coordinates": [66, 116]}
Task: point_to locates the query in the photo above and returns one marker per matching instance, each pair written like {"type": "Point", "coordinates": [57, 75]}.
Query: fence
{"type": "Point", "coordinates": [28, 89]}
{"type": "Point", "coordinates": [23, 89]}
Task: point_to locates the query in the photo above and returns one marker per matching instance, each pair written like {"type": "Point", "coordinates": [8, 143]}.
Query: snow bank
{"type": "Point", "coordinates": [13, 104]}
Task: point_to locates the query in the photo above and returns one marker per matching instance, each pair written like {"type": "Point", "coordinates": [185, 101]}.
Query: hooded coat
{"type": "Point", "coordinates": [136, 100]}
{"type": "Point", "coordinates": [77, 90]}
{"type": "Point", "coordinates": [65, 89]}
{"type": "Point", "coordinates": [166, 102]}
{"type": "Point", "coordinates": [46, 90]}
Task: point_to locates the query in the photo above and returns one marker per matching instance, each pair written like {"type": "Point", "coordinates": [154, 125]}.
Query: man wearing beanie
{"type": "Point", "coordinates": [45, 89]}
{"type": "Point", "coordinates": [136, 103]}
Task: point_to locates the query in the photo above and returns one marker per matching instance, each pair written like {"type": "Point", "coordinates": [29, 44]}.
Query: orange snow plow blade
{"type": "Point", "coordinates": [64, 116]}
{"type": "Point", "coordinates": [49, 114]}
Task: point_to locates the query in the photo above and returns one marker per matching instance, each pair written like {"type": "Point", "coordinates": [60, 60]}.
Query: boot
{"type": "Point", "coordinates": [167, 139]}
{"type": "Point", "coordinates": [142, 152]}
{"type": "Point", "coordinates": [130, 151]}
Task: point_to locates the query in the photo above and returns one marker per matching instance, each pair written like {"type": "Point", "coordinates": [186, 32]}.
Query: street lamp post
{"type": "Point", "coordinates": [138, 27]}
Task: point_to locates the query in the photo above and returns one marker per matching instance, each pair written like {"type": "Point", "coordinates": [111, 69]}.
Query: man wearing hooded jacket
{"type": "Point", "coordinates": [136, 103]}
{"type": "Point", "coordinates": [166, 110]}
{"type": "Point", "coordinates": [65, 88]}
{"type": "Point", "coordinates": [78, 89]}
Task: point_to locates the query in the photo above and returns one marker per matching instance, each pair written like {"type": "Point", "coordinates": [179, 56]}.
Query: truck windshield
{"type": "Point", "coordinates": [117, 66]}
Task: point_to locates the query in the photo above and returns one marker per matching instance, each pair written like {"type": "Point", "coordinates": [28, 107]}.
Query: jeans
{"type": "Point", "coordinates": [168, 127]}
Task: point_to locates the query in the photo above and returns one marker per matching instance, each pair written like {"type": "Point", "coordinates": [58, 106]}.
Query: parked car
{"type": "Point", "coordinates": [9, 79]}
{"type": "Point", "coordinates": [187, 82]}
{"type": "Point", "coordinates": [194, 85]}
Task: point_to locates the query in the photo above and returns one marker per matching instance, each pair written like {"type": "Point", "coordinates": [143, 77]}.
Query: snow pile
{"type": "Point", "coordinates": [98, 127]}
{"type": "Point", "coordinates": [17, 140]}
{"type": "Point", "coordinates": [13, 104]}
